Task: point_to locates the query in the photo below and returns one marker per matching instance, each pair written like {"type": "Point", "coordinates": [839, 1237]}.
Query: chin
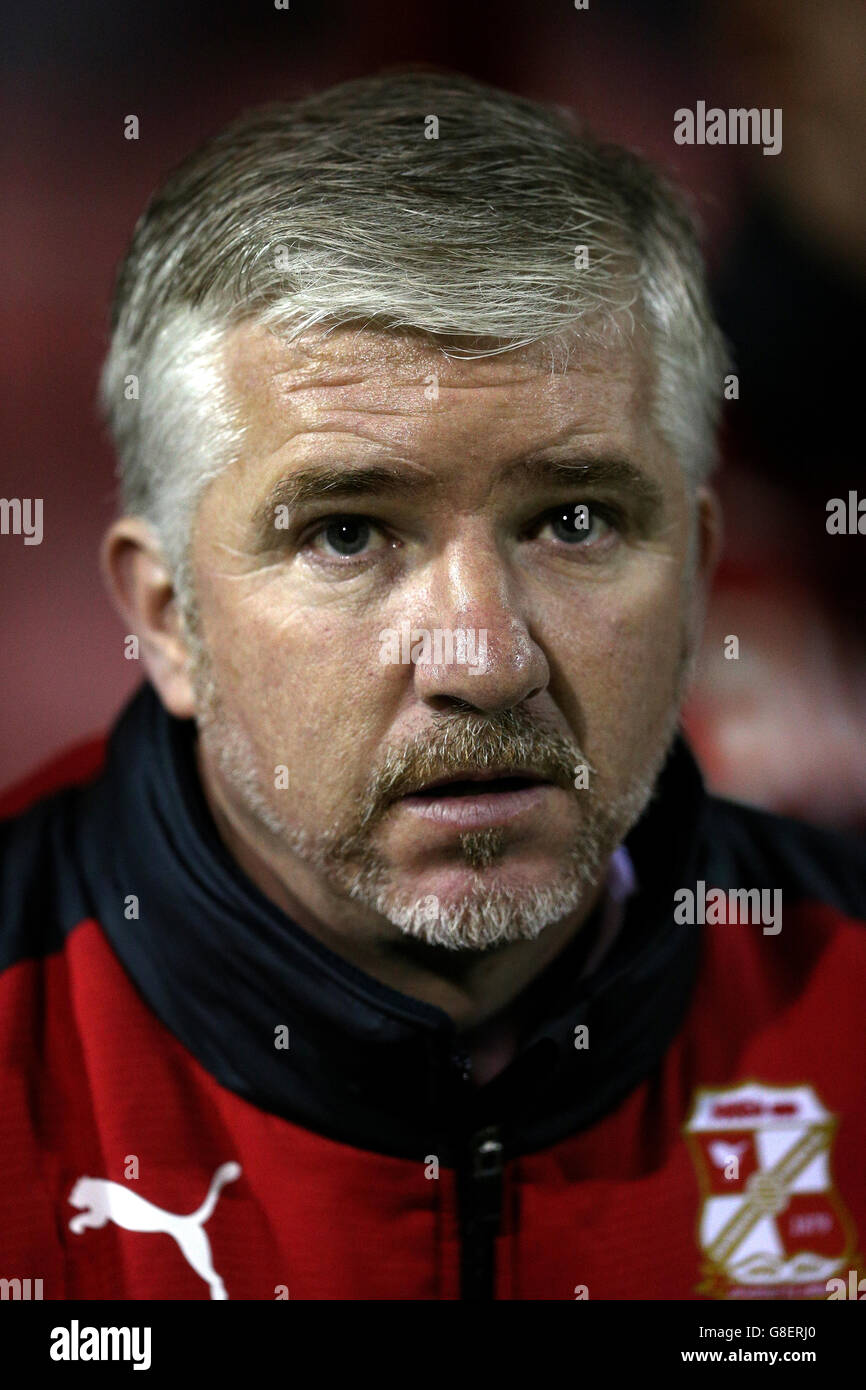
{"type": "Point", "coordinates": [484, 915]}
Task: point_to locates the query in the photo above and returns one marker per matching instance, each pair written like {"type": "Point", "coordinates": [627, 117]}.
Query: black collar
{"type": "Point", "coordinates": [223, 968]}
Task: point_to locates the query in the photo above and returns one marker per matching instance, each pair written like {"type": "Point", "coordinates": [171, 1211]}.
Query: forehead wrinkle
{"type": "Point", "coordinates": [290, 380]}
{"type": "Point", "coordinates": [454, 374]}
{"type": "Point", "coordinates": [384, 397]}
{"type": "Point", "coordinates": [399, 412]}
{"type": "Point", "coordinates": [383, 449]}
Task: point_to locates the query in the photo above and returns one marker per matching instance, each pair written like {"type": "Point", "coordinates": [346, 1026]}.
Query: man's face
{"type": "Point", "coordinates": [536, 528]}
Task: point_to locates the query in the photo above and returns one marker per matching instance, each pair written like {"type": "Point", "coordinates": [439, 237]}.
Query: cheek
{"type": "Point", "coordinates": [621, 668]}
{"type": "Point", "coordinates": [309, 691]}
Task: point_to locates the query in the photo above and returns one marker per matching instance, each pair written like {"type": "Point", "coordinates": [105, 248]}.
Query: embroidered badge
{"type": "Point", "coordinates": [771, 1223]}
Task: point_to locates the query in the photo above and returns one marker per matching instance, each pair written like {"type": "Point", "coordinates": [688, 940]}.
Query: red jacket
{"type": "Point", "coordinates": [703, 1135]}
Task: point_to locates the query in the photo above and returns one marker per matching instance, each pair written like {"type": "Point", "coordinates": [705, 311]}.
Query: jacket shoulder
{"type": "Point", "coordinates": [807, 862]}
{"type": "Point", "coordinates": [41, 896]}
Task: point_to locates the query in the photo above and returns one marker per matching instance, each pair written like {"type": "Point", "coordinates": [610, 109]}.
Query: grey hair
{"type": "Point", "coordinates": [339, 210]}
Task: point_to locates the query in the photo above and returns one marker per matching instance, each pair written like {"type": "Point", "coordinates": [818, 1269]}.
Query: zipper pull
{"type": "Point", "coordinates": [488, 1162]}
{"type": "Point", "coordinates": [480, 1214]}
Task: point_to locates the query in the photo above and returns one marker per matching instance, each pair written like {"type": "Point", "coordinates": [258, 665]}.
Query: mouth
{"type": "Point", "coordinates": [471, 799]}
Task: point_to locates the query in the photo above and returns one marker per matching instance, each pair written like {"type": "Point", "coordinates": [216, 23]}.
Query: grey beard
{"type": "Point", "coordinates": [493, 912]}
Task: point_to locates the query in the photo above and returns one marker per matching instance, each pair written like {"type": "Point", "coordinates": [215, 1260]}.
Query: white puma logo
{"type": "Point", "coordinates": [110, 1201]}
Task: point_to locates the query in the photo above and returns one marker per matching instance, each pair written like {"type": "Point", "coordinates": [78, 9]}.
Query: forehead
{"type": "Point", "coordinates": [407, 395]}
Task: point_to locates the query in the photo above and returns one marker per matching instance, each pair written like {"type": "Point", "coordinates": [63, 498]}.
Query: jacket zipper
{"type": "Point", "coordinates": [480, 1199]}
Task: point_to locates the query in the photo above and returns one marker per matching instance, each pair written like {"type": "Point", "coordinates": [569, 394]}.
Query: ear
{"type": "Point", "coordinates": [709, 533]}
{"type": "Point", "coordinates": [139, 581]}
{"type": "Point", "coordinates": [706, 552]}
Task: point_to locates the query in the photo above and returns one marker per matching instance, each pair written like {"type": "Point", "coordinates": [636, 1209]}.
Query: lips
{"type": "Point", "coordinates": [475, 800]}
{"type": "Point", "coordinates": [473, 782]}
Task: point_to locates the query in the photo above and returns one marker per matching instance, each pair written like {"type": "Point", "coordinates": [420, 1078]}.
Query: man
{"type": "Point", "coordinates": [396, 950]}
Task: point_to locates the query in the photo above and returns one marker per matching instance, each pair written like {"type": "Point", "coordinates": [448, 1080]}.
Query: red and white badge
{"type": "Point", "coordinates": [771, 1224]}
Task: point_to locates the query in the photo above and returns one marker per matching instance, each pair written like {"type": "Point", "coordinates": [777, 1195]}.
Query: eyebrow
{"type": "Point", "coordinates": [605, 471]}
{"type": "Point", "coordinates": [326, 482]}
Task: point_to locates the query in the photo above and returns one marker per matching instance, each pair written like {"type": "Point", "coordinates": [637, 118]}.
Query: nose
{"type": "Point", "coordinates": [476, 649]}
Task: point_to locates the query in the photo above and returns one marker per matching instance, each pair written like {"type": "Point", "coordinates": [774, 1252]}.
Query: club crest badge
{"type": "Point", "coordinates": [771, 1223]}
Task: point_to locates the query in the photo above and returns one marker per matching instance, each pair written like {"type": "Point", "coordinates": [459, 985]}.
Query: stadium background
{"type": "Point", "coordinates": [785, 725]}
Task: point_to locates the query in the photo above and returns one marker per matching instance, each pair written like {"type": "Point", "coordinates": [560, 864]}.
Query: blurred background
{"type": "Point", "coordinates": [785, 725]}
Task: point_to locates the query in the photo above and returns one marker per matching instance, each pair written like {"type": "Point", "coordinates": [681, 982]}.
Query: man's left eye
{"type": "Point", "coordinates": [346, 536]}
{"type": "Point", "coordinates": [577, 524]}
